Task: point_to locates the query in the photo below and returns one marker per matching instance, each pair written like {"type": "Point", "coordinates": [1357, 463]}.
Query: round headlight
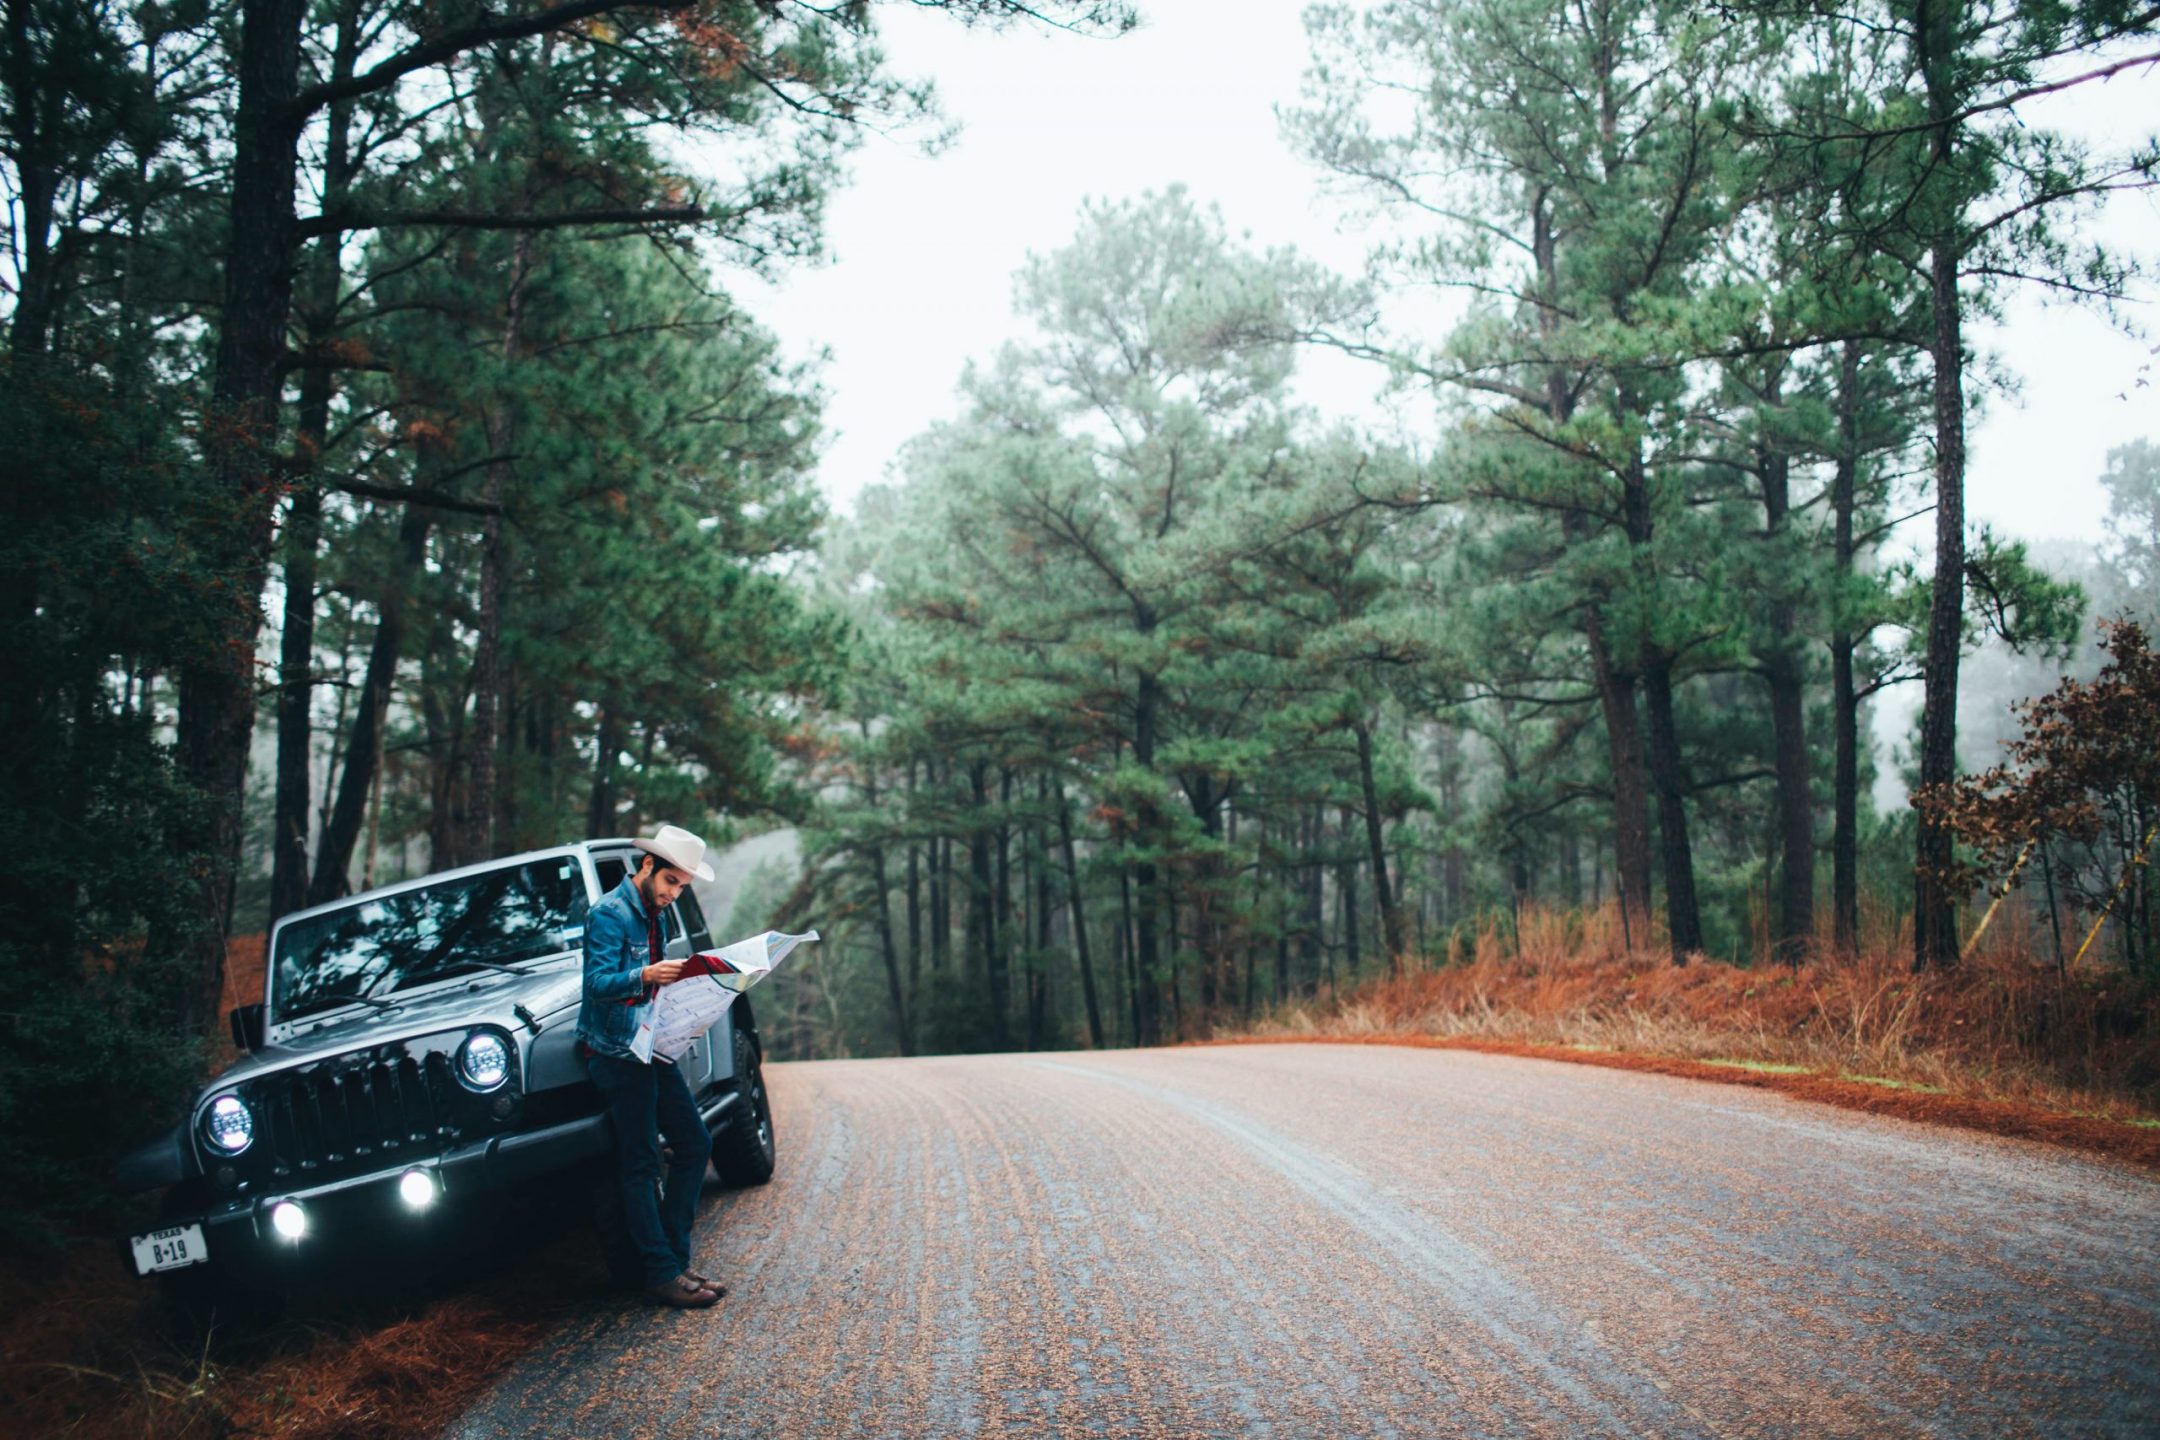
{"type": "Point", "coordinates": [228, 1126]}
{"type": "Point", "coordinates": [484, 1062]}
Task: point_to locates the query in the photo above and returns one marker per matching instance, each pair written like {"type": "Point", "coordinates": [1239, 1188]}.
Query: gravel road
{"type": "Point", "coordinates": [1316, 1240]}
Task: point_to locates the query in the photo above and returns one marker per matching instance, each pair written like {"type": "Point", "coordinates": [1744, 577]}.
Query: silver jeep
{"type": "Point", "coordinates": [414, 1057]}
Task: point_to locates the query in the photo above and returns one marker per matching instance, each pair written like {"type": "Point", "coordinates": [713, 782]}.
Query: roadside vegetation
{"type": "Point", "coordinates": [2062, 1024]}
{"type": "Point", "coordinates": [2007, 1026]}
{"type": "Point", "coordinates": [84, 1352]}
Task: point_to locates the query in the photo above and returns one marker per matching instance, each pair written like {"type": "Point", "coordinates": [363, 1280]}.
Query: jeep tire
{"type": "Point", "coordinates": [742, 1148]}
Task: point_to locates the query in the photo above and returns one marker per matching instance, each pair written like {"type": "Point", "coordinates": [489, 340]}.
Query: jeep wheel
{"type": "Point", "coordinates": [743, 1151]}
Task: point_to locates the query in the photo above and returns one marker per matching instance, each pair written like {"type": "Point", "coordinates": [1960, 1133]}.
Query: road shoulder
{"type": "Point", "coordinates": [2133, 1144]}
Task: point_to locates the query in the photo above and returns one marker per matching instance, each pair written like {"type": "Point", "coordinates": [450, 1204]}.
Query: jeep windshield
{"type": "Point", "coordinates": [376, 946]}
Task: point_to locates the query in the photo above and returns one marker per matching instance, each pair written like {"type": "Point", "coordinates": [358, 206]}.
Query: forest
{"type": "Point", "coordinates": [394, 481]}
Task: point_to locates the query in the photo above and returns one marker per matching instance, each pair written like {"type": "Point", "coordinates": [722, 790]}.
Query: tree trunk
{"type": "Point", "coordinates": [902, 1031]}
{"type": "Point", "coordinates": [296, 641]}
{"type": "Point", "coordinates": [333, 862]}
{"type": "Point", "coordinates": [1171, 985]}
{"type": "Point", "coordinates": [1078, 906]}
{"type": "Point", "coordinates": [1147, 903]}
{"type": "Point", "coordinates": [982, 898]}
{"type": "Point", "coordinates": [1615, 683]}
{"type": "Point", "coordinates": [1200, 886]}
{"type": "Point", "coordinates": [217, 684]}
{"type": "Point", "coordinates": [41, 135]}
{"type": "Point", "coordinates": [478, 839]}
{"type": "Point", "coordinates": [338, 715]}
{"type": "Point", "coordinates": [941, 891]}
{"type": "Point", "coordinates": [1001, 955]}
{"type": "Point", "coordinates": [1285, 879]}
{"type": "Point", "coordinates": [914, 896]}
{"type": "Point", "coordinates": [1313, 947]}
{"type": "Point", "coordinates": [1128, 952]}
{"type": "Point", "coordinates": [1038, 848]}
{"type": "Point", "coordinates": [1935, 940]}
{"type": "Point", "coordinates": [1391, 926]}
{"type": "Point", "coordinates": [607, 749]}
{"type": "Point", "coordinates": [444, 723]}
{"type": "Point", "coordinates": [978, 898]}
{"type": "Point", "coordinates": [25, 689]}
{"type": "Point", "coordinates": [1781, 668]}
{"type": "Point", "coordinates": [1346, 897]}
{"type": "Point", "coordinates": [1631, 799]}
{"type": "Point", "coordinates": [634, 821]}
{"type": "Point", "coordinates": [1844, 702]}
{"type": "Point", "coordinates": [1252, 926]}
{"type": "Point", "coordinates": [1453, 867]}
{"type": "Point", "coordinates": [296, 685]}
{"type": "Point", "coordinates": [374, 816]}
{"type": "Point", "coordinates": [1682, 917]}
{"type": "Point", "coordinates": [1638, 520]}
{"type": "Point", "coordinates": [1795, 933]}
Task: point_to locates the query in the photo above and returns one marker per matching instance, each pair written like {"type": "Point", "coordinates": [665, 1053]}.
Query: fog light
{"type": "Point", "coordinates": [288, 1219]}
{"type": "Point", "coordinates": [417, 1189]}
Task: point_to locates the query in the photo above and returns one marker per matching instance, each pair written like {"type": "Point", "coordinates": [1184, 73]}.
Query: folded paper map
{"type": "Point", "coordinates": [711, 980]}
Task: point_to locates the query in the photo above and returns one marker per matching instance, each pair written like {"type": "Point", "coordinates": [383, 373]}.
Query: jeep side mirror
{"type": "Point", "coordinates": [247, 1027]}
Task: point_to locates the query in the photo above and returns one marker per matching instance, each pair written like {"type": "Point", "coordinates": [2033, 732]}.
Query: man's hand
{"type": "Point", "coordinates": [667, 972]}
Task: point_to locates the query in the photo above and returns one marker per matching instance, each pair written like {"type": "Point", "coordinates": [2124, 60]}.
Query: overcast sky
{"type": "Point", "coordinates": [924, 249]}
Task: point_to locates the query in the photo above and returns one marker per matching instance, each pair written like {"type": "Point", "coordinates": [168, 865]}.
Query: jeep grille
{"type": "Point", "coordinates": [331, 1115]}
{"type": "Point", "coordinates": [367, 1110]}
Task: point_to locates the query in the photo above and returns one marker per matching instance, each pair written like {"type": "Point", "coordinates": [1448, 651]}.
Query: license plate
{"type": "Point", "coordinates": [170, 1249]}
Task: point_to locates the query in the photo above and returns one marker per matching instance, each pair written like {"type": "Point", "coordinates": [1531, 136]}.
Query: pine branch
{"type": "Point", "coordinates": [2001, 102]}
{"type": "Point", "coordinates": [453, 43]}
{"type": "Point", "coordinates": [414, 495]}
{"type": "Point", "coordinates": [315, 225]}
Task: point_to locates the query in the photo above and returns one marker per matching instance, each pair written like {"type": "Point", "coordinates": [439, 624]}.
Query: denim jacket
{"type": "Point", "coordinates": [616, 953]}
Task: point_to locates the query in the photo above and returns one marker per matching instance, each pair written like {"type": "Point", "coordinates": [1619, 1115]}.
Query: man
{"type": "Point", "coordinates": [624, 967]}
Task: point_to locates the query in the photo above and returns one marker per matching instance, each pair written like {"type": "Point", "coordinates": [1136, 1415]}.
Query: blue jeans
{"type": "Point", "coordinates": [643, 1100]}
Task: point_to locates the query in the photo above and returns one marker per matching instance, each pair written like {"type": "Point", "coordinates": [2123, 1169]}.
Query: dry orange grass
{"type": "Point", "coordinates": [83, 1354]}
{"type": "Point", "coordinates": [1999, 1026]}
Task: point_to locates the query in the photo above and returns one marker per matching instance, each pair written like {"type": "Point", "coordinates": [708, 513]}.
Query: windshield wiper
{"type": "Point", "coordinates": [403, 979]}
{"type": "Point", "coordinates": [334, 1001]}
{"type": "Point", "coordinates": [449, 967]}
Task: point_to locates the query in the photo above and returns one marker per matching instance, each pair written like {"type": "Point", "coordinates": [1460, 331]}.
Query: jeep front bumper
{"type": "Point", "coordinates": [268, 1235]}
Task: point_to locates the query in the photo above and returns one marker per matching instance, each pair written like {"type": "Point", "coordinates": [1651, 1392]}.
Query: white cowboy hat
{"type": "Point", "coordinates": [677, 847]}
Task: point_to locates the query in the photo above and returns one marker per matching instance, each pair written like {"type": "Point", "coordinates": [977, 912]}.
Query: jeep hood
{"type": "Point", "coordinates": [480, 999]}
